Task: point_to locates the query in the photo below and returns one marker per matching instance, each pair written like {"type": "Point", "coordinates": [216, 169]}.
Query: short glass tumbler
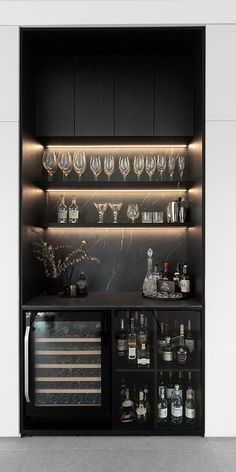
{"type": "Point", "coordinates": [157, 217]}
{"type": "Point", "coordinates": [146, 217]}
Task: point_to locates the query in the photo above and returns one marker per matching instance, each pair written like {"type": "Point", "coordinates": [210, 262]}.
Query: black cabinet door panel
{"type": "Point", "coordinates": [55, 96]}
{"type": "Point", "coordinates": [134, 96]}
{"type": "Point", "coordinates": [94, 95]}
{"type": "Point", "coordinates": [174, 95]}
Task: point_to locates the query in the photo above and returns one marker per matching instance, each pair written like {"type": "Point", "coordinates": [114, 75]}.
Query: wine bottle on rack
{"type": "Point", "coordinates": [185, 282]}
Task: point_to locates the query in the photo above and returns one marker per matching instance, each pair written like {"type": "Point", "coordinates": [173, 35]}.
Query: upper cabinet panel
{"type": "Point", "coordinates": [55, 96]}
{"type": "Point", "coordinates": [173, 95]}
{"type": "Point", "coordinates": [220, 72]}
{"type": "Point", "coordinates": [94, 96]}
{"type": "Point", "coordinates": [9, 78]}
{"type": "Point", "coordinates": [134, 96]}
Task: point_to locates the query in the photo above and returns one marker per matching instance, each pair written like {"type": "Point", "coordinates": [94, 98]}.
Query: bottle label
{"type": "Point", "coordinates": [167, 356]}
{"type": "Point", "coordinates": [176, 411]}
{"type": "Point", "coordinates": [161, 412]}
{"type": "Point", "coordinates": [182, 356]}
{"type": "Point", "coordinates": [132, 353]}
{"type": "Point", "coordinates": [121, 345]}
{"type": "Point", "coordinates": [190, 344]}
{"type": "Point", "coordinates": [143, 361]}
{"type": "Point", "coordinates": [190, 413]}
{"type": "Point", "coordinates": [62, 214]}
{"type": "Point", "coordinates": [73, 214]}
{"type": "Point", "coordinates": [169, 392]}
{"type": "Point", "coordinates": [185, 286]}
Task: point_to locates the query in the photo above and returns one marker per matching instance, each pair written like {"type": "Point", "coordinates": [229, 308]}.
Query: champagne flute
{"type": "Point", "coordinates": [101, 208]}
{"type": "Point", "coordinates": [65, 164]}
{"type": "Point", "coordinates": [133, 212]}
{"type": "Point", "coordinates": [49, 162]}
{"type": "Point", "coordinates": [150, 166]}
{"type": "Point", "coordinates": [115, 207]}
{"type": "Point", "coordinates": [138, 165]}
{"type": "Point", "coordinates": [171, 166]}
{"type": "Point", "coordinates": [79, 162]}
{"type": "Point", "coordinates": [109, 166]}
{"type": "Point", "coordinates": [161, 164]}
{"type": "Point", "coordinates": [124, 166]}
{"type": "Point", "coordinates": [95, 166]}
{"type": "Point", "coordinates": [181, 164]}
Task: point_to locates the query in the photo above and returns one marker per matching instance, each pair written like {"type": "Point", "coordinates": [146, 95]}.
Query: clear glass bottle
{"type": "Point", "coordinates": [185, 281]}
{"type": "Point", "coordinates": [176, 406]}
{"type": "Point", "coordinates": [143, 356]}
{"type": "Point", "coordinates": [132, 342]}
{"type": "Point", "coordinates": [62, 211]}
{"type": "Point", "coordinates": [182, 352]}
{"type": "Point", "coordinates": [169, 387]}
{"type": "Point", "coordinates": [142, 336]}
{"type": "Point", "coordinates": [149, 284]}
{"type": "Point", "coordinates": [162, 407]}
{"type": "Point", "coordinates": [127, 409]}
{"type": "Point", "coordinates": [73, 211]}
{"type": "Point", "coordinates": [166, 275]}
{"type": "Point", "coordinates": [189, 339]}
{"type": "Point", "coordinates": [141, 410]}
{"type": "Point", "coordinates": [121, 340]}
{"type": "Point", "coordinates": [167, 352]}
{"type": "Point", "coordinates": [190, 407]}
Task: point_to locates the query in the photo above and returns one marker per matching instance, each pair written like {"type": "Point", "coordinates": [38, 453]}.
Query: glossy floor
{"type": "Point", "coordinates": [103, 454]}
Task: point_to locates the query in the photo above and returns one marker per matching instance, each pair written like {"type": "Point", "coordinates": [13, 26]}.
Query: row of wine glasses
{"type": "Point", "coordinates": [132, 211]}
{"type": "Point", "coordinates": [150, 164]}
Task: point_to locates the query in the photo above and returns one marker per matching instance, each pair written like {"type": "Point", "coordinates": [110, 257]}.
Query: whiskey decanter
{"type": "Point", "coordinates": [149, 284]}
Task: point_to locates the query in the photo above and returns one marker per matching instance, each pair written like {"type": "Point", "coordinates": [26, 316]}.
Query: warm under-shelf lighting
{"type": "Point", "coordinates": [116, 146]}
{"type": "Point", "coordinates": [111, 191]}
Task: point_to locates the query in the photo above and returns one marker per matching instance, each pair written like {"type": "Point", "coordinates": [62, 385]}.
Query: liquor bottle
{"type": "Point", "coordinates": [143, 355]}
{"type": "Point", "coordinates": [73, 211]}
{"type": "Point", "coordinates": [167, 352]}
{"type": "Point", "coordinates": [176, 406]}
{"type": "Point", "coordinates": [189, 340]}
{"type": "Point", "coordinates": [141, 410]}
{"type": "Point", "coordinates": [190, 386]}
{"type": "Point", "coordinates": [146, 400]}
{"type": "Point", "coordinates": [180, 383]}
{"type": "Point", "coordinates": [157, 273]}
{"type": "Point", "coordinates": [162, 407]}
{"type": "Point", "coordinates": [161, 339]}
{"type": "Point", "coordinates": [149, 284]}
{"type": "Point", "coordinates": [62, 211]}
{"type": "Point", "coordinates": [176, 277]}
{"type": "Point", "coordinates": [142, 336]}
{"type": "Point", "coordinates": [132, 342]}
{"type": "Point", "coordinates": [185, 282]}
{"type": "Point", "coordinates": [175, 334]}
{"type": "Point", "coordinates": [169, 387]}
{"type": "Point", "coordinates": [121, 340]}
{"type": "Point", "coordinates": [166, 275]}
{"type": "Point", "coordinates": [122, 390]}
{"type": "Point", "coordinates": [82, 286]}
{"type": "Point", "coordinates": [135, 396]}
{"type": "Point", "coordinates": [182, 352]}
{"type": "Point", "coordinates": [136, 321]}
{"type": "Point", "coordinates": [127, 409]}
{"type": "Point", "coordinates": [160, 382]}
{"type": "Point", "coordinates": [190, 407]}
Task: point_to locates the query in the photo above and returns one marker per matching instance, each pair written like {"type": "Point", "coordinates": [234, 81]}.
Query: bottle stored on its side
{"type": "Point", "coordinates": [185, 282]}
{"type": "Point", "coordinates": [162, 407]}
{"type": "Point", "coordinates": [189, 339]}
{"type": "Point", "coordinates": [73, 211]}
{"type": "Point", "coordinates": [121, 340]}
{"type": "Point", "coordinates": [62, 211]}
{"type": "Point", "coordinates": [190, 407]}
{"type": "Point", "coordinates": [182, 352]}
{"type": "Point", "coordinates": [176, 406]}
{"type": "Point", "coordinates": [167, 352]}
{"type": "Point", "coordinates": [132, 342]}
{"type": "Point", "coordinates": [127, 409]}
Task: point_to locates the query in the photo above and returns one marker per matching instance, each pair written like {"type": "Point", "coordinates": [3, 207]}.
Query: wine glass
{"type": "Point", "coordinates": [49, 163]}
{"type": "Point", "coordinates": [138, 165]}
{"type": "Point", "coordinates": [115, 207]}
{"type": "Point", "coordinates": [133, 212]}
{"type": "Point", "coordinates": [171, 166]}
{"type": "Point", "coordinates": [79, 162]}
{"type": "Point", "coordinates": [65, 163]}
{"type": "Point", "coordinates": [101, 208]}
{"type": "Point", "coordinates": [124, 166]}
{"type": "Point", "coordinates": [150, 166]}
{"type": "Point", "coordinates": [95, 166]}
{"type": "Point", "coordinates": [109, 166]}
{"type": "Point", "coordinates": [161, 164]}
{"type": "Point", "coordinates": [181, 164]}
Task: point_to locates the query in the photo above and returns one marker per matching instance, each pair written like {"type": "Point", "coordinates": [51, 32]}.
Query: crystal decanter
{"type": "Point", "coordinates": [149, 284]}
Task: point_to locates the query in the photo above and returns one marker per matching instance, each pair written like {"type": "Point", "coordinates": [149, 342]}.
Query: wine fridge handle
{"type": "Point", "coordinates": [26, 355]}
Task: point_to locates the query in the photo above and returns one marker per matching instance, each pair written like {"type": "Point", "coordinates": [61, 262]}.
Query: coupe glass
{"type": "Point", "coordinates": [124, 166]}
{"type": "Point", "coordinates": [79, 162]}
{"type": "Point", "coordinates": [109, 166]}
{"type": "Point", "coordinates": [181, 164]}
{"type": "Point", "coordinates": [171, 166]}
{"type": "Point", "coordinates": [115, 208]}
{"type": "Point", "coordinates": [95, 166]}
{"type": "Point", "coordinates": [65, 163]}
{"type": "Point", "coordinates": [138, 165]}
{"type": "Point", "coordinates": [133, 212]}
{"type": "Point", "coordinates": [150, 166]}
{"type": "Point", "coordinates": [161, 164]}
{"type": "Point", "coordinates": [49, 163]}
{"type": "Point", "coordinates": [101, 208]}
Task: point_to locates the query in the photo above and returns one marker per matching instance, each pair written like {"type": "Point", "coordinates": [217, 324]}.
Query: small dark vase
{"type": "Point", "coordinates": [53, 286]}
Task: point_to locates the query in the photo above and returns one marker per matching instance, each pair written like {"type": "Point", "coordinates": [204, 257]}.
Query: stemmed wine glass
{"type": "Point", "coordinates": [49, 163]}
{"type": "Point", "coordinates": [115, 207]}
{"type": "Point", "coordinates": [150, 166]}
{"type": "Point", "coordinates": [95, 166]}
{"type": "Point", "coordinates": [161, 164]}
{"type": "Point", "coordinates": [124, 166]}
{"type": "Point", "coordinates": [79, 162]}
{"type": "Point", "coordinates": [101, 208]}
{"type": "Point", "coordinates": [65, 163]}
{"type": "Point", "coordinates": [109, 166]}
{"type": "Point", "coordinates": [171, 166]}
{"type": "Point", "coordinates": [138, 165]}
{"type": "Point", "coordinates": [181, 164]}
{"type": "Point", "coordinates": [133, 212]}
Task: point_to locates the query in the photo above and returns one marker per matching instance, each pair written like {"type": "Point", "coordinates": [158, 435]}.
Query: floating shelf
{"type": "Point", "coordinates": [117, 225]}
{"type": "Point", "coordinates": [115, 185]}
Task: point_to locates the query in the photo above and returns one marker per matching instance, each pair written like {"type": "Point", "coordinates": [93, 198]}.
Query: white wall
{"type": "Point", "coordinates": [221, 129]}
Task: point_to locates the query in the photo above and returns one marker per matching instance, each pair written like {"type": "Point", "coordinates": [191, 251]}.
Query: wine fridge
{"type": "Point", "coordinates": [66, 367]}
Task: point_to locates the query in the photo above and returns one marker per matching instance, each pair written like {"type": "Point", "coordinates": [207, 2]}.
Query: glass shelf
{"type": "Point", "coordinates": [75, 186]}
{"type": "Point", "coordinates": [118, 225]}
